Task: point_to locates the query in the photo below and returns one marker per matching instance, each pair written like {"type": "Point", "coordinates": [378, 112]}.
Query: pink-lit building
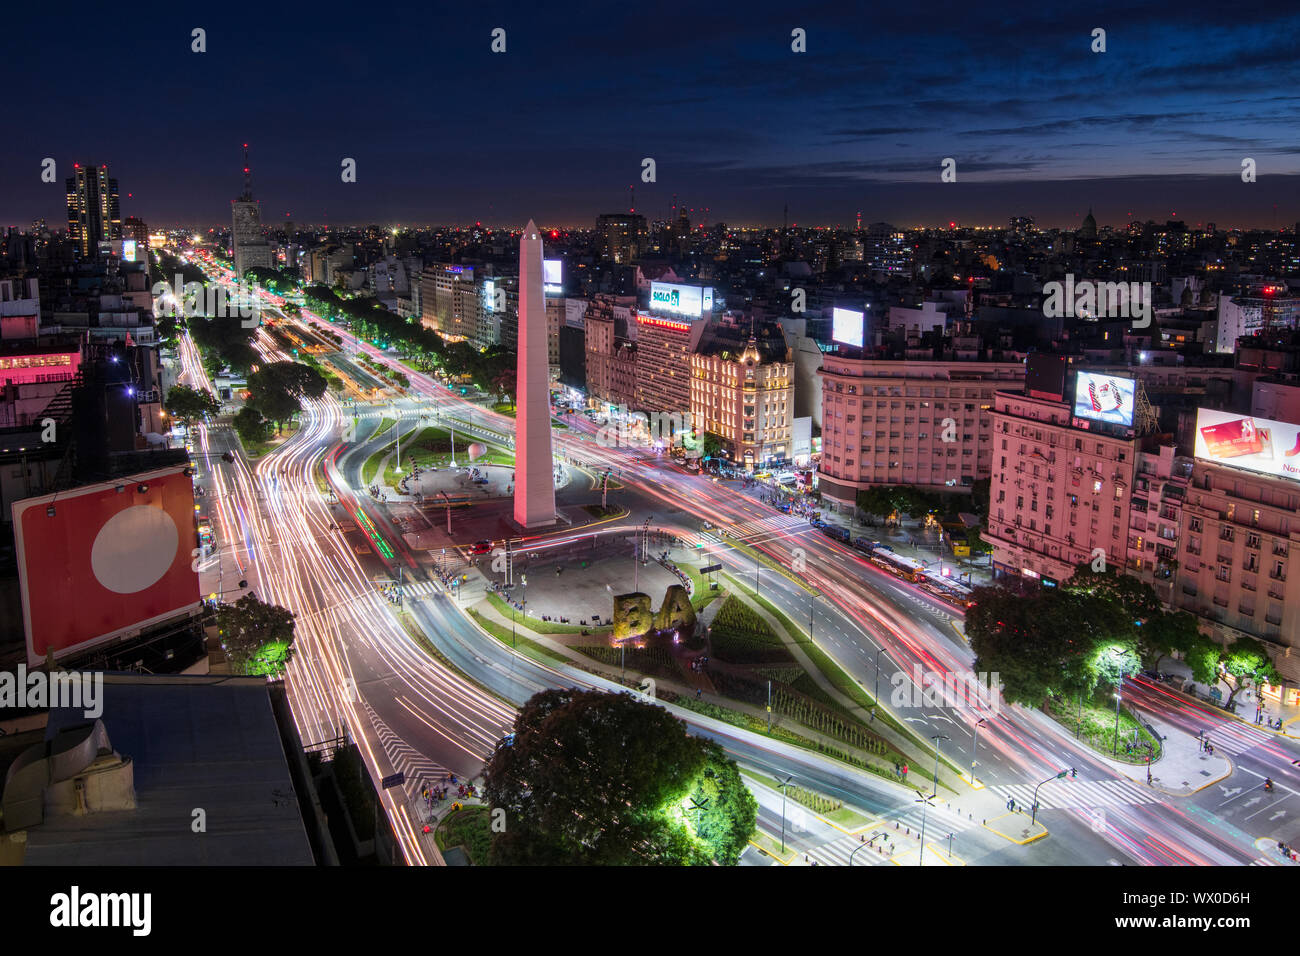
{"type": "Point", "coordinates": [885, 423]}
{"type": "Point", "coordinates": [1058, 495]}
{"type": "Point", "coordinates": [31, 364]}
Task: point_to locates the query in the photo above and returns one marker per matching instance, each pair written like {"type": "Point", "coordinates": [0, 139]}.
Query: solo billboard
{"type": "Point", "coordinates": [103, 561]}
{"type": "Point", "coordinates": [1260, 445]}
{"type": "Point", "coordinates": [689, 300]}
{"type": "Point", "coordinates": [1104, 398]}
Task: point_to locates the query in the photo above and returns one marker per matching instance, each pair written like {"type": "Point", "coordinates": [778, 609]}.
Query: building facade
{"type": "Point", "coordinates": [93, 211]}
{"type": "Point", "coordinates": [907, 423]}
{"type": "Point", "coordinates": [746, 398]}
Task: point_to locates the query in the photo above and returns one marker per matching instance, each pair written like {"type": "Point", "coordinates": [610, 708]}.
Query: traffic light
{"type": "Point", "coordinates": [1073, 773]}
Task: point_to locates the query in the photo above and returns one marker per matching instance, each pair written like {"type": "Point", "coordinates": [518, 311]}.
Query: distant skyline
{"type": "Point", "coordinates": [446, 132]}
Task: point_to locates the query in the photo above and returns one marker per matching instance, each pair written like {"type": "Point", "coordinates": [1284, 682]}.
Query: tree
{"type": "Point", "coordinates": [1137, 597]}
{"type": "Point", "coordinates": [277, 389]}
{"type": "Point", "coordinates": [603, 779]}
{"type": "Point", "coordinates": [729, 811]}
{"type": "Point", "coordinates": [187, 405]}
{"type": "Point", "coordinates": [257, 636]}
{"type": "Point", "coordinates": [1247, 660]}
{"type": "Point", "coordinates": [250, 425]}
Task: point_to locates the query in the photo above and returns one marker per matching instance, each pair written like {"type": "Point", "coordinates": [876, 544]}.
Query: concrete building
{"type": "Point", "coordinates": [1240, 532]}
{"type": "Point", "coordinates": [1249, 314]}
{"type": "Point", "coordinates": [1058, 495]}
{"type": "Point", "coordinates": [744, 394]}
{"type": "Point", "coordinates": [451, 302]}
{"type": "Point", "coordinates": [622, 237]}
{"type": "Point", "coordinates": [663, 355]}
{"type": "Point", "coordinates": [610, 358]}
{"type": "Point", "coordinates": [918, 423]}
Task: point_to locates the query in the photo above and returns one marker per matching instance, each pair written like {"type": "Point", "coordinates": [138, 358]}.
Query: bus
{"type": "Point", "coordinates": [948, 589]}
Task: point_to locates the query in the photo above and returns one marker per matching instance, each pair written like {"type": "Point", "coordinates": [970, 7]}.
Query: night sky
{"type": "Point", "coordinates": [445, 131]}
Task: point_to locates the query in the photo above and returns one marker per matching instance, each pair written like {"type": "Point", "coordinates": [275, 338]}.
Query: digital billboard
{"type": "Point", "coordinates": [847, 327]}
{"type": "Point", "coordinates": [1260, 445]}
{"type": "Point", "coordinates": [489, 295]}
{"type": "Point", "coordinates": [1104, 398]}
{"type": "Point", "coordinates": [552, 274]}
{"type": "Point", "coordinates": [688, 300]}
{"type": "Point", "coordinates": [101, 561]}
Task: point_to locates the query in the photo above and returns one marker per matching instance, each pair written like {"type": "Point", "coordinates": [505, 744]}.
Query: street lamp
{"type": "Point", "coordinates": [975, 747]}
{"type": "Point", "coordinates": [783, 786]}
{"type": "Point", "coordinates": [925, 800]}
{"type": "Point", "coordinates": [875, 697]}
{"type": "Point", "coordinates": [1115, 751]}
{"type": "Point", "coordinates": [936, 738]}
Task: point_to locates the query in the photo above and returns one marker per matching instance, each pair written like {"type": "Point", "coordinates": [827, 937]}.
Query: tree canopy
{"type": "Point", "coordinates": [257, 636]}
{"type": "Point", "coordinates": [605, 779]}
{"type": "Point", "coordinates": [187, 405]}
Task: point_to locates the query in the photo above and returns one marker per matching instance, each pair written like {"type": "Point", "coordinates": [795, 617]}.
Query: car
{"type": "Point", "coordinates": [481, 547]}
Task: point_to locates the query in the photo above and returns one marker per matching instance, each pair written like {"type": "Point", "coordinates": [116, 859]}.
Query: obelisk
{"type": "Point", "coordinates": [535, 474]}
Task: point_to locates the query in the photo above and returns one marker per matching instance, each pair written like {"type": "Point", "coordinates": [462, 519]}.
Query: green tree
{"type": "Point", "coordinates": [729, 811]}
{"type": "Point", "coordinates": [187, 405]}
{"type": "Point", "coordinates": [1247, 660]}
{"type": "Point", "coordinates": [250, 425]}
{"type": "Point", "coordinates": [1137, 597]}
{"type": "Point", "coordinates": [602, 779]}
{"type": "Point", "coordinates": [257, 636]}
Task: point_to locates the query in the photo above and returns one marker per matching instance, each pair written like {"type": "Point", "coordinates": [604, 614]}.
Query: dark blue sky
{"type": "Point", "coordinates": [445, 131]}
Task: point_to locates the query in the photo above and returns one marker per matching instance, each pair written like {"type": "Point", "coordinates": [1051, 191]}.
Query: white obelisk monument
{"type": "Point", "coordinates": [535, 470]}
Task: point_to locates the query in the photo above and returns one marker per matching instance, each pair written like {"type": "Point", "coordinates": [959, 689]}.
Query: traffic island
{"type": "Point", "coordinates": [1016, 827]}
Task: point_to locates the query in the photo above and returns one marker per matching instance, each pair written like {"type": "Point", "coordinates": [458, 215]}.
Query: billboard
{"type": "Point", "coordinates": [688, 300]}
{"type": "Point", "coordinates": [1104, 398]}
{"type": "Point", "coordinates": [1260, 445]}
{"type": "Point", "coordinates": [489, 295]}
{"type": "Point", "coordinates": [847, 327]}
{"type": "Point", "coordinates": [553, 275]}
{"type": "Point", "coordinates": [99, 562]}
{"type": "Point", "coordinates": [1045, 376]}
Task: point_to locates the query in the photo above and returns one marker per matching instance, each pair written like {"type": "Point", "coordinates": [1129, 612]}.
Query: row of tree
{"type": "Point", "coordinates": [1094, 630]}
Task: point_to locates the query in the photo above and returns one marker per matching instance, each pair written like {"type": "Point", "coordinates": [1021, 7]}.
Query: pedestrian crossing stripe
{"type": "Point", "coordinates": [1080, 794]}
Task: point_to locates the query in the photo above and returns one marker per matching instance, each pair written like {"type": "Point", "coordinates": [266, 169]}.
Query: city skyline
{"type": "Point", "coordinates": [737, 122]}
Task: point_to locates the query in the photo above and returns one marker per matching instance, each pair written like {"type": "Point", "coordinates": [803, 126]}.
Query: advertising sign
{"type": "Point", "coordinates": [1104, 398]}
{"type": "Point", "coordinates": [553, 274]}
{"type": "Point", "coordinates": [101, 561]}
{"type": "Point", "coordinates": [1260, 445]}
{"type": "Point", "coordinates": [688, 300]}
{"type": "Point", "coordinates": [847, 327]}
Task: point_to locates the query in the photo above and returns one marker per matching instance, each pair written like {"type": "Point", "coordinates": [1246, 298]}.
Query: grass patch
{"type": "Point", "coordinates": [504, 408]}
{"type": "Point", "coordinates": [651, 661]}
{"type": "Point", "coordinates": [1095, 726]}
{"type": "Point", "coordinates": [256, 449]}
{"type": "Point", "coordinates": [470, 829]}
{"type": "Point", "coordinates": [520, 643]}
{"type": "Point", "coordinates": [540, 627]}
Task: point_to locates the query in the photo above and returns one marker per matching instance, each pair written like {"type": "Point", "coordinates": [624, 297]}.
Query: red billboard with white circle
{"type": "Point", "coordinates": [102, 562]}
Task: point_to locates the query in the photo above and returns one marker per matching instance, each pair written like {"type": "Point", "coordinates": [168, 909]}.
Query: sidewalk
{"type": "Point", "coordinates": [1183, 768]}
{"type": "Point", "coordinates": [1245, 707]}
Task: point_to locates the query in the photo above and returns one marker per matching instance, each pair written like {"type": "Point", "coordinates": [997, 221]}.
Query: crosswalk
{"type": "Point", "coordinates": [765, 529]}
{"type": "Point", "coordinates": [939, 822]}
{"type": "Point", "coordinates": [1232, 738]}
{"type": "Point", "coordinates": [1079, 794]}
{"type": "Point", "coordinates": [419, 769]}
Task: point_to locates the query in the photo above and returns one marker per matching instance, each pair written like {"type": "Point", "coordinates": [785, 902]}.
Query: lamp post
{"type": "Point", "coordinates": [1115, 751]}
{"type": "Point", "coordinates": [936, 738]}
{"type": "Point", "coordinates": [875, 697]}
{"type": "Point", "coordinates": [783, 785]}
{"type": "Point", "coordinates": [924, 799]}
{"type": "Point", "coordinates": [975, 747]}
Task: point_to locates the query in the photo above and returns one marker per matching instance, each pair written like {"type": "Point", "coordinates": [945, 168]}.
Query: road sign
{"type": "Point", "coordinates": [711, 568]}
{"type": "Point", "coordinates": [393, 780]}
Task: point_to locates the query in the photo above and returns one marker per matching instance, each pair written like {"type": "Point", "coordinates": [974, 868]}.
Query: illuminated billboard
{"type": "Point", "coordinates": [1104, 398]}
{"type": "Point", "coordinates": [847, 327]}
{"type": "Point", "coordinates": [688, 300]}
{"type": "Point", "coordinates": [103, 561]}
{"type": "Point", "coordinates": [128, 250]}
{"type": "Point", "coordinates": [489, 295]}
{"type": "Point", "coordinates": [552, 274]}
{"type": "Point", "coordinates": [1260, 445]}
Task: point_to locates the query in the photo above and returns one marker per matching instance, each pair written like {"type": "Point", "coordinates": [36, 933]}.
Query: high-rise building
{"type": "Point", "coordinates": [451, 301]}
{"type": "Point", "coordinates": [663, 353]}
{"type": "Point", "coordinates": [622, 237]}
{"type": "Point", "coordinates": [251, 250]}
{"type": "Point", "coordinates": [93, 213]}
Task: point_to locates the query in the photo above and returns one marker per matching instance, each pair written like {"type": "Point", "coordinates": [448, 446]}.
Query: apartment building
{"type": "Point", "coordinates": [745, 396]}
{"type": "Point", "coordinates": [664, 349]}
{"type": "Point", "coordinates": [1058, 495]}
{"type": "Point", "coordinates": [910, 423]}
{"type": "Point", "coordinates": [1241, 531]}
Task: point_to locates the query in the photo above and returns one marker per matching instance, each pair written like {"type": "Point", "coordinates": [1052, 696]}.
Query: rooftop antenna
{"type": "Point", "coordinates": [632, 191]}
{"type": "Point", "coordinates": [248, 178]}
